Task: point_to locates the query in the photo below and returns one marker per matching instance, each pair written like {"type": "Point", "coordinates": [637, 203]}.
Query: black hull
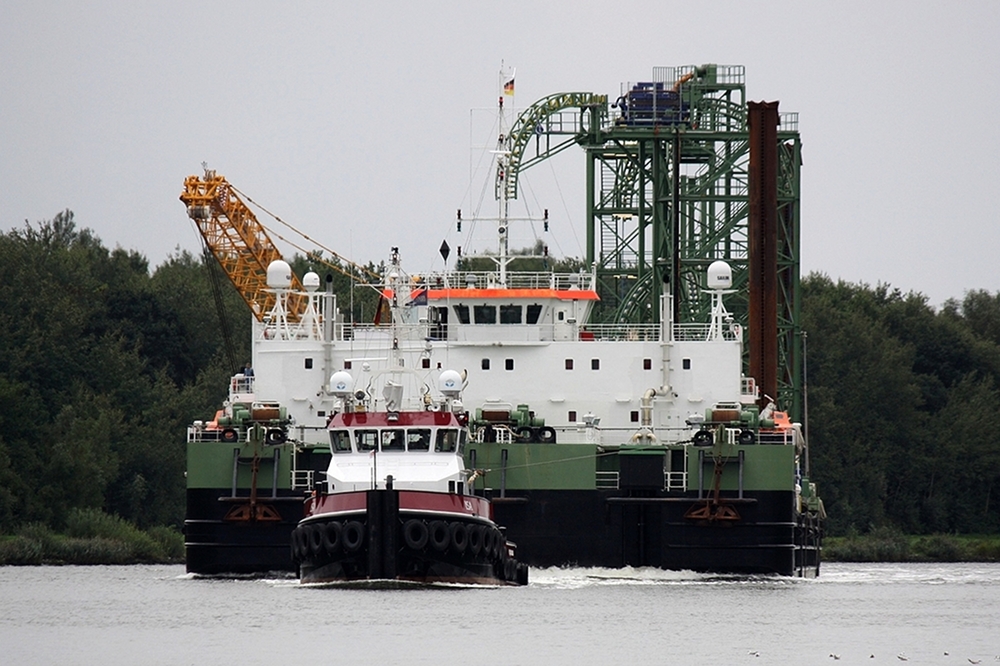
{"type": "Point", "coordinates": [218, 541]}
{"type": "Point", "coordinates": [382, 543]}
{"type": "Point", "coordinates": [551, 528]}
{"type": "Point", "coordinates": [612, 529]}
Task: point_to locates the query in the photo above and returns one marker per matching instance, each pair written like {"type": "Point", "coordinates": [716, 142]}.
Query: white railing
{"type": "Point", "coordinates": [675, 480]}
{"type": "Point", "coordinates": [302, 479]}
{"type": "Point", "coordinates": [621, 332]}
{"type": "Point", "coordinates": [515, 280]}
{"type": "Point", "coordinates": [700, 332]}
{"type": "Point", "coordinates": [607, 480]}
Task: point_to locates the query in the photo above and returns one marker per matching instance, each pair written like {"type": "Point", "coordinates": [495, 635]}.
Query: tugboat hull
{"type": "Point", "coordinates": [379, 535]}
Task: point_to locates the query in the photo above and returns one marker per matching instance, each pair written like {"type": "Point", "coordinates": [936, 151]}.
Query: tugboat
{"type": "Point", "coordinates": [396, 504]}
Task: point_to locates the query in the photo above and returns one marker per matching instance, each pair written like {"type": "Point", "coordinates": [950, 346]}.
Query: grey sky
{"type": "Point", "coordinates": [351, 120]}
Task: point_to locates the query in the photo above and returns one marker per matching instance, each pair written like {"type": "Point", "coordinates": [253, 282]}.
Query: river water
{"type": "Point", "coordinates": [865, 614]}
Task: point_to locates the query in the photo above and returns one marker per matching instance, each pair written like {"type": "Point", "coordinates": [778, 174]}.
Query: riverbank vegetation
{"type": "Point", "coordinates": [888, 544]}
{"type": "Point", "coordinates": [105, 361]}
{"type": "Point", "coordinates": [92, 537]}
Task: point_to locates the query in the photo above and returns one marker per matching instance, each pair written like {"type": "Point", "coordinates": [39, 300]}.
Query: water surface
{"type": "Point", "coordinates": [871, 614]}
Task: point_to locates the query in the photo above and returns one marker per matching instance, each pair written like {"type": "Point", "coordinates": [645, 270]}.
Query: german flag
{"type": "Point", "coordinates": [508, 88]}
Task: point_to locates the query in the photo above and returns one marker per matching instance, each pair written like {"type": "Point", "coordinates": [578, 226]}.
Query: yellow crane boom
{"type": "Point", "coordinates": [238, 242]}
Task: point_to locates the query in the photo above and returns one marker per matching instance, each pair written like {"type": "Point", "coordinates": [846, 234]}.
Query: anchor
{"type": "Point", "coordinates": [253, 511]}
{"type": "Point", "coordinates": [714, 509]}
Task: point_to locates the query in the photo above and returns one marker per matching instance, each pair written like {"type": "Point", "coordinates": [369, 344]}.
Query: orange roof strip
{"type": "Point", "coordinates": [502, 294]}
{"type": "Point", "coordinates": [506, 294]}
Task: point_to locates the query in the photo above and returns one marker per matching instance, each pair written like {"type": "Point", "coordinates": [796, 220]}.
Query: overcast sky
{"type": "Point", "coordinates": [351, 121]}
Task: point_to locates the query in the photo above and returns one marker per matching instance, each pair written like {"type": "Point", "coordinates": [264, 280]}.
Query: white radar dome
{"type": "Point", "coordinates": [341, 384]}
{"type": "Point", "coordinates": [279, 275]}
{"type": "Point", "coordinates": [310, 281]}
{"type": "Point", "coordinates": [720, 275]}
{"type": "Point", "coordinates": [450, 383]}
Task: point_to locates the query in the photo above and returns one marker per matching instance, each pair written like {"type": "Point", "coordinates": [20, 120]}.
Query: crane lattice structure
{"type": "Point", "coordinates": [669, 190]}
{"type": "Point", "coordinates": [238, 242]}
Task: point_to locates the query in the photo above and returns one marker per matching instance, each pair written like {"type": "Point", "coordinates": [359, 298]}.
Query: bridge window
{"type": "Point", "coordinates": [569, 364]}
{"type": "Point", "coordinates": [595, 364]}
{"type": "Point", "coordinates": [485, 314]}
{"type": "Point", "coordinates": [572, 416]}
{"type": "Point", "coordinates": [392, 440]}
{"type": "Point", "coordinates": [447, 440]}
{"type": "Point", "coordinates": [486, 364]}
{"type": "Point", "coordinates": [367, 440]}
{"type": "Point", "coordinates": [534, 312]}
{"type": "Point", "coordinates": [686, 363]}
{"type": "Point", "coordinates": [510, 314]}
{"type": "Point", "coordinates": [347, 365]}
{"type": "Point", "coordinates": [509, 364]}
{"type": "Point", "coordinates": [418, 439]}
{"type": "Point", "coordinates": [462, 312]}
{"type": "Point", "coordinates": [340, 441]}
{"type": "Point", "coordinates": [647, 364]}
{"type": "Point", "coordinates": [634, 416]}
{"type": "Point", "coordinates": [309, 364]}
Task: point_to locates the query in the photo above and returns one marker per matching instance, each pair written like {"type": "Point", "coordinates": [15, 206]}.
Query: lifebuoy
{"type": "Point", "coordinates": [331, 537]}
{"type": "Point", "coordinates": [747, 437]}
{"type": "Point", "coordinates": [415, 534]}
{"type": "Point", "coordinates": [352, 536]}
{"type": "Point", "coordinates": [439, 534]}
{"type": "Point", "coordinates": [703, 438]}
{"type": "Point", "coordinates": [315, 540]}
{"type": "Point", "coordinates": [275, 436]}
{"type": "Point", "coordinates": [459, 537]}
{"type": "Point", "coordinates": [230, 435]}
{"type": "Point", "coordinates": [524, 434]}
{"type": "Point", "coordinates": [476, 539]}
{"type": "Point", "coordinates": [547, 435]}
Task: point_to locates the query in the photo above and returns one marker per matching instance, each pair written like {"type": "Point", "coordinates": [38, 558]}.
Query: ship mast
{"type": "Point", "coordinates": [503, 152]}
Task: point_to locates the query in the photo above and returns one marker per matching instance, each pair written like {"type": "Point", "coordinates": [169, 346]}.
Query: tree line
{"type": "Point", "coordinates": [104, 362]}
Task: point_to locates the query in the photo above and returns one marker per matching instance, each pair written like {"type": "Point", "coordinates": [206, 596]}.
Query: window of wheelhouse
{"type": "Point", "coordinates": [534, 311]}
{"type": "Point", "coordinates": [484, 314]}
{"type": "Point", "coordinates": [340, 441]}
{"type": "Point", "coordinates": [418, 439]}
{"type": "Point", "coordinates": [510, 314]}
{"type": "Point", "coordinates": [367, 440]}
{"type": "Point", "coordinates": [446, 441]}
{"type": "Point", "coordinates": [392, 440]}
{"type": "Point", "coordinates": [462, 312]}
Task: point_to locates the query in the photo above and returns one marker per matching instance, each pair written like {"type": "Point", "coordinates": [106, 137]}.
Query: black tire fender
{"type": "Point", "coordinates": [315, 540]}
{"type": "Point", "coordinates": [703, 438]}
{"type": "Point", "coordinates": [415, 534]}
{"type": "Point", "coordinates": [301, 536]}
{"type": "Point", "coordinates": [440, 535]}
{"type": "Point", "coordinates": [459, 536]}
{"type": "Point", "coordinates": [331, 537]}
{"type": "Point", "coordinates": [352, 536]}
{"type": "Point", "coordinates": [475, 539]}
{"type": "Point", "coordinates": [547, 435]}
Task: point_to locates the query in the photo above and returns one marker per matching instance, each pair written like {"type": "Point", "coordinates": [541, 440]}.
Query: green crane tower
{"type": "Point", "coordinates": [682, 171]}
